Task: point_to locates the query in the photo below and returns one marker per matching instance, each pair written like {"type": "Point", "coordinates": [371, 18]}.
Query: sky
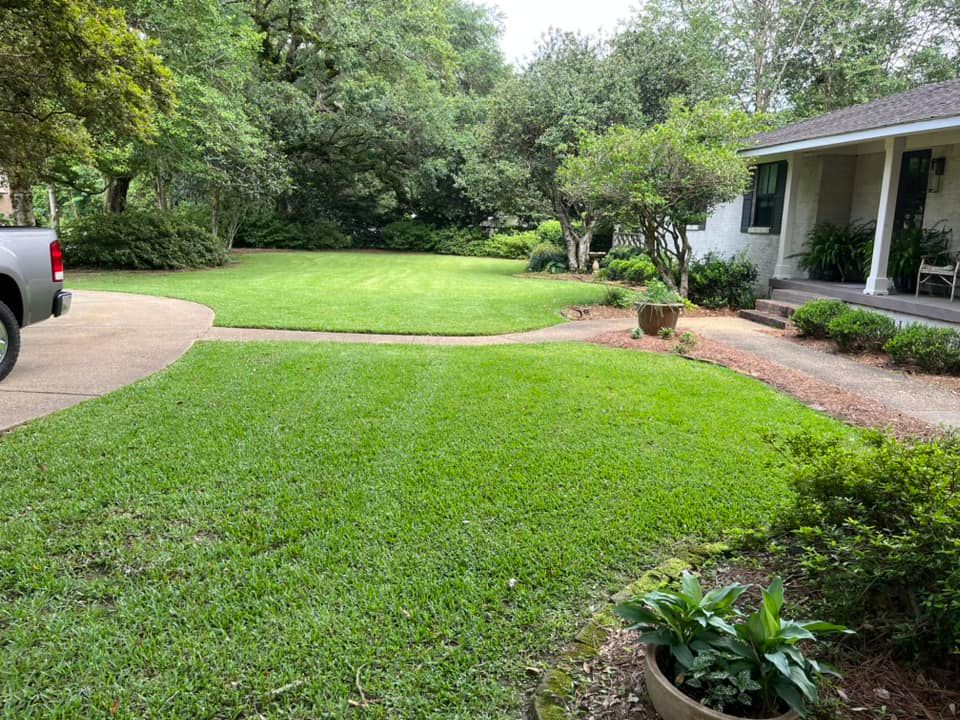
{"type": "Point", "coordinates": [527, 20]}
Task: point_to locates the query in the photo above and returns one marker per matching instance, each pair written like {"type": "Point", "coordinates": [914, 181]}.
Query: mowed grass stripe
{"type": "Point", "coordinates": [270, 515]}
{"type": "Point", "coordinates": [365, 292]}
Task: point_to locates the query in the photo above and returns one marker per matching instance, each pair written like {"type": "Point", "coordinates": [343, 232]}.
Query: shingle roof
{"type": "Point", "coordinates": [929, 102]}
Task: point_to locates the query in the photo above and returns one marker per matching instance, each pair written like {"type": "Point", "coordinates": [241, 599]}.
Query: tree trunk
{"type": "Point", "coordinates": [215, 222]}
{"type": "Point", "coordinates": [163, 200]}
{"type": "Point", "coordinates": [54, 208]}
{"type": "Point", "coordinates": [583, 249]}
{"type": "Point", "coordinates": [115, 199]}
{"type": "Point", "coordinates": [21, 197]}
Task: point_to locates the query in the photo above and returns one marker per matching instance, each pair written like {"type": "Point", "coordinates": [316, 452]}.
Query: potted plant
{"type": "Point", "coordinates": [707, 660]}
{"type": "Point", "coordinates": [658, 307]}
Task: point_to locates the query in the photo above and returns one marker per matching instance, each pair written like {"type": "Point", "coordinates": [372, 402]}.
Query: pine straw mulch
{"type": "Point", "coordinates": [822, 396]}
{"type": "Point", "coordinates": [606, 312]}
{"type": "Point", "coordinates": [874, 685]}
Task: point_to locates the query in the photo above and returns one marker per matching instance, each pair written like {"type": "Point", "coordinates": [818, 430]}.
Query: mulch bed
{"type": "Point", "coordinates": [817, 394]}
{"type": "Point", "coordinates": [874, 685]}
{"type": "Point", "coordinates": [605, 312]}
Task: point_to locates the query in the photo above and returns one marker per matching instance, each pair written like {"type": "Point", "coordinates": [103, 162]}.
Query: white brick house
{"type": "Point", "coordinates": [894, 158]}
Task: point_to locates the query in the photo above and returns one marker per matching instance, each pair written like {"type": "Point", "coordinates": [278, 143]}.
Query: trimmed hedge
{"type": "Point", "coordinates": [813, 318]}
{"type": "Point", "coordinates": [857, 331]}
{"type": "Point", "coordinates": [141, 240]}
{"type": "Point", "coordinates": [933, 349]}
{"type": "Point", "coordinates": [636, 270]}
{"type": "Point", "coordinates": [514, 246]}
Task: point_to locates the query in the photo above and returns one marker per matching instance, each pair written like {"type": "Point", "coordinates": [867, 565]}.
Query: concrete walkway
{"type": "Point", "coordinates": [911, 396]}
{"type": "Point", "coordinates": [107, 341]}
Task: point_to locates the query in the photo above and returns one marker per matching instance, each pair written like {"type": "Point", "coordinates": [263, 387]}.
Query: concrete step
{"type": "Point", "coordinates": [795, 297]}
{"type": "Point", "coordinates": [776, 321]}
{"type": "Point", "coordinates": [777, 307]}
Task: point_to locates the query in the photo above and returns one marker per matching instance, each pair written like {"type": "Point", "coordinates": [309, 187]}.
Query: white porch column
{"type": "Point", "coordinates": [785, 267]}
{"type": "Point", "coordinates": [878, 283]}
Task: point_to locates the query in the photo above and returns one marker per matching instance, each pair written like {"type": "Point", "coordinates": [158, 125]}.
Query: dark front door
{"type": "Point", "coordinates": [912, 195]}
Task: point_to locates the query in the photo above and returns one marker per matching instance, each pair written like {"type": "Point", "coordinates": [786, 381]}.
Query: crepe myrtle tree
{"type": "Point", "coordinates": [663, 178]}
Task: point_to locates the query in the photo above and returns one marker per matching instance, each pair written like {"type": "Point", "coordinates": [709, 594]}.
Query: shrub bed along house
{"type": "Point", "coordinates": [933, 349]}
{"type": "Point", "coordinates": [813, 318]}
{"type": "Point", "coordinates": [717, 282]}
{"type": "Point", "coordinates": [858, 331]}
{"type": "Point", "coordinates": [142, 240]}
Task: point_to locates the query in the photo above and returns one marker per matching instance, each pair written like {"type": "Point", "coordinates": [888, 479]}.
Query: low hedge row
{"type": "Point", "coordinates": [934, 349]}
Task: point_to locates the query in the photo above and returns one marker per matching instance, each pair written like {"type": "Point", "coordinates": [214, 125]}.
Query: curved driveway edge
{"type": "Point", "coordinates": [107, 341]}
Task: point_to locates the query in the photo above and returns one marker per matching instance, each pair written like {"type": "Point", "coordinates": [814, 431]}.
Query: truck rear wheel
{"type": "Point", "coordinates": [9, 340]}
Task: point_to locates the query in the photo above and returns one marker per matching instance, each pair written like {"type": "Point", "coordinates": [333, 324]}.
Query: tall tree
{"type": "Point", "coordinates": [537, 119]}
{"type": "Point", "coordinates": [75, 76]}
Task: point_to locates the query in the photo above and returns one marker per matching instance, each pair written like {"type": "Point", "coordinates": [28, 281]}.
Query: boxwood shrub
{"type": "Point", "coordinates": [857, 331]}
{"type": "Point", "coordinates": [813, 318]}
{"type": "Point", "coordinates": [934, 349]}
{"type": "Point", "coordinates": [141, 240]}
{"type": "Point", "coordinates": [636, 270]}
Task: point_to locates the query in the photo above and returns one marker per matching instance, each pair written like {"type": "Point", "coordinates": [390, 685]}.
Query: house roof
{"type": "Point", "coordinates": [929, 102]}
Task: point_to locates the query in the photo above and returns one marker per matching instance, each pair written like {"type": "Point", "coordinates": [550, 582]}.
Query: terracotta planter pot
{"type": "Point", "coordinates": [654, 316]}
{"type": "Point", "coordinates": [672, 704]}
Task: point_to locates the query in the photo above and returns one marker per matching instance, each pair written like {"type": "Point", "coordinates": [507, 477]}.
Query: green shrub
{"type": "Point", "coordinates": [142, 240]}
{"type": "Point", "coordinates": [858, 331]}
{"type": "Point", "coordinates": [878, 526]}
{"type": "Point", "coordinates": [547, 257]}
{"type": "Point", "coordinates": [461, 241]}
{"type": "Point", "coordinates": [622, 252]}
{"type": "Point", "coordinates": [267, 229]}
{"type": "Point", "coordinates": [813, 318]}
{"type": "Point", "coordinates": [636, 270]}
{"type": "Point", "coordinates": [838, 252]}
{"type": "Point", "coordinates": [717, 282]}
{"type": "Point", "coordinates": [513, 246]}
{"type": "Point", "coordinates": [618, 297]}
{"type": "Point", "coordinates": [410, 235]}
{"type": "Point", "coordinates": [931, 348]}
{"type": "Point", "coordinates": [550, 231]}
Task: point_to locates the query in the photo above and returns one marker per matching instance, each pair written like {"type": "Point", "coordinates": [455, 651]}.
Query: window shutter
{"type": "Point", "coordinates": [746, 215]}
{"type": "Point", "coordinates": [777, 214]}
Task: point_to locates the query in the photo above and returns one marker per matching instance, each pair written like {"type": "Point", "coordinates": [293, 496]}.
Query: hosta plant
{"type": "Point", "coordinates": [747, 664]}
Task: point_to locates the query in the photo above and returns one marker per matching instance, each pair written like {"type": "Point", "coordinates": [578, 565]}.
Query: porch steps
{"type": "Point", "coordinates": [773, 313]}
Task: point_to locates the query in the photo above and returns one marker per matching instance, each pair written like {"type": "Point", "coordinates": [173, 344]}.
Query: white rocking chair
{"type": "Point", "coordinates": [939, 275]}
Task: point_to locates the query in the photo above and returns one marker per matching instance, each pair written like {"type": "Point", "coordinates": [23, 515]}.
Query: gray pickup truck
{"type": "Point", "coordinates": [31, 286]}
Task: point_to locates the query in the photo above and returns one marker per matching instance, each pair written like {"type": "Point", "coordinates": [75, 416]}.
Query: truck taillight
{"type": "Point", "coordinates": [56, 261]}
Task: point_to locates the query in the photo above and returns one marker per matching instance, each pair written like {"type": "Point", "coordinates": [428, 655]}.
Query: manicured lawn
{"type": "Point", "coordinates": [266, 516]}
{"type": "Point", "coordinates": [363, 292]}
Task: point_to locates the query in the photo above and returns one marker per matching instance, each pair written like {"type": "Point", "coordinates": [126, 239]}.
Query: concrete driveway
{"type": "Point", "coordinates": [108, 340]}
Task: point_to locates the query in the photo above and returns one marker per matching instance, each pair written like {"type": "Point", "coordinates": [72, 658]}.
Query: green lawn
{"type": "Point", "coordinates": [363, 292]}
{"type": "Point", "coordinates": [264, 516]}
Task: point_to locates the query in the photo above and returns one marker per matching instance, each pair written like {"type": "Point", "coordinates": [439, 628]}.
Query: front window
{"type": "Point", "coordinates": [764, 198]}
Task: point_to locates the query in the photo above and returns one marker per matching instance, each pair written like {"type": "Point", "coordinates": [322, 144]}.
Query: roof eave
{"type": "Point", "coordinates": [858, 136]}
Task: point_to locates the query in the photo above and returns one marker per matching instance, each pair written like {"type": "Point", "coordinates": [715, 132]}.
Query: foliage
{"type": "Point", "coordinates": [617, 297]}
{"type": "Point", "coordinates": [858, 331]}
{"type": "Point", "coordinates": [934, 349]}
{"type": "Point", "coordinates": [878, 528]}
{"type": "Point", "coordinates": [657, 293]}
{"type": "Point", "coordinates": [909, 246]}
{"type": "Point", "coordinates": [470, 242]}
{"type": "Point", "coordinates": [637, 270]}
{"type": "Point", "coordinates": [717, 282]}
{"type": "Point", "coordinates": [547, 257]}
{"type": "Point", "coordinates": [838, 252]}
{"type": "Point", "coordinates": [666, 333]}
{"type": "Point", "coordinates": [142, 240]}
{"type": "Point", "coordinates": [813, 318]}
{"type": "Point", "coordinates": [550, 231]}
{"type": "Point", "coordinates": [661, 178]}
{"type": "Point", "coordinates": [269, 230]}
{"type": "Point", "coordinates": [514, 245]}
{"type": "Point", "coordinates": [409, 235]}
{"type": "Point", "coordinates": [622, 252]}
{"type": "Point", "coordinates": [713, 644]}
{"type": "Point", "coordinates": [75, 76]}
{"type": "Point", "coordinates": [532, 127]}
{"type": "Point", "coordinates": [686, 343]}
{"type": "Point", "coordinates": [398, 293]}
